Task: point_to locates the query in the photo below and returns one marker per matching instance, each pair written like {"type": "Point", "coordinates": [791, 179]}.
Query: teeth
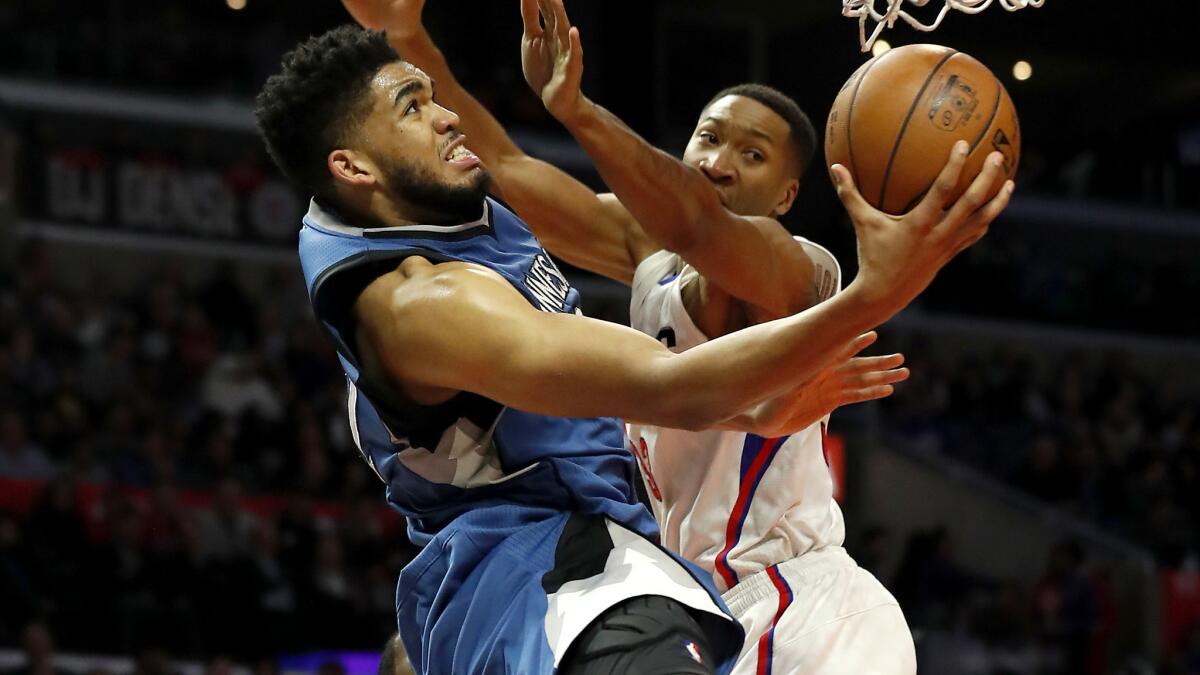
{"type": "Point", "coordinates": [459, 153]}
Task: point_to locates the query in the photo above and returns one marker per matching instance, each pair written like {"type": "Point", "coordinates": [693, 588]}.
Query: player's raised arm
{"type": "Point", "coordinates": [591, 232]}
{"type": "Point", "coordinates": [751, 258]}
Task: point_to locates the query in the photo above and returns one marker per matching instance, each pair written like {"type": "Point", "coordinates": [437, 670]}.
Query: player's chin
{"type": "Point", "coordinates": [464, 175]}
{"type": "Point", "coordinates": [476, 179]}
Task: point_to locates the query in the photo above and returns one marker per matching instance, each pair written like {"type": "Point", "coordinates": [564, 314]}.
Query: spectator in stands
{"type": "Point", "coordinates": [331, 668]}
{"type": "Point", "coordinates": [1068, 606]}
{"type": "Point", "coordinates": [235, 385]}
{"type": "Point", "coordinates": [332, 594]}
{"type": "Point", "coordinates": [108, 373]}
{"type": "Point", "coordinates": [266, 666]}
{"type": "Point", "coordinates": [272, 588]}
{"type": "Point", "coordinates": [153, 661]}
{"type": "Point", "coordinates": [873, 549]}
{"type": "Point", "coordinates": [1044, 475]}
{"type": "Point", "coordinates": [38, 649]}
{"type": "Point", "coordinates": [931, 585]}
{"type": "Point", "coordinates": [59, 550]}
{"type": "Point", "coordinates": [219, 665]}
{"type": "Point", "coordinates": [1187, 662]}
{"type": "Point", "coordinates": [228, 529]}
{"type": "Point", "coordinates": [19, 597]}
{"type": "Point", "coordinates": [20, 457]}
{"type": "Point", "coordinates": [124, 565]}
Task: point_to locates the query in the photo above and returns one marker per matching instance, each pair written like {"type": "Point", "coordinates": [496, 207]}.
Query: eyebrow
{"type": "Point", "coordinates": [725, 122]}
{"type": "Point", "coordinates": [408, 89]}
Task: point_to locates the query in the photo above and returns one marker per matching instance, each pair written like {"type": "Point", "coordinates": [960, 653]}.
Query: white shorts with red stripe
{"type": "Point", "coordinates": [820, 614]}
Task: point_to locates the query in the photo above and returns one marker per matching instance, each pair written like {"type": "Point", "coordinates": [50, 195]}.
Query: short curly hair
{"type": "Point", "coordinates": [803, 137]}
{"type": "Point", "coordinates": [312, 106]}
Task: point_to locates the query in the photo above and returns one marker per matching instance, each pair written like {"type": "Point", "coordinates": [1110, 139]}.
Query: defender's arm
{"type": "Point", "coordinates": [751, 258]}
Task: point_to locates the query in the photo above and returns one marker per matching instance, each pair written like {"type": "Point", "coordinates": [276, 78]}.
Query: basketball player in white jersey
{"type": "Point", "coordinates": [698, 242]}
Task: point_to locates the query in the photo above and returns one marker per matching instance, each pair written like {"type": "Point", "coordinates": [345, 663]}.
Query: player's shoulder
{"type": "Point", "coordinates": [418, 286]}
{"type": "Point", "coordinates": [657, 268]}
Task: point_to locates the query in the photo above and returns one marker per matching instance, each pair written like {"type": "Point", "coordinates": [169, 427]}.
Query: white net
{"type": "Point", "coordinates": [865, 12]}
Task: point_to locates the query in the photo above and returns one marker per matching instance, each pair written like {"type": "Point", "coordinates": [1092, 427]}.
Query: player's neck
{"type": "Point", "coordinates": [390, 212]}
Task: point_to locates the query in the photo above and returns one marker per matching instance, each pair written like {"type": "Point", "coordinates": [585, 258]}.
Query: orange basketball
{"type": "Point", "coordinates": [897, 117]}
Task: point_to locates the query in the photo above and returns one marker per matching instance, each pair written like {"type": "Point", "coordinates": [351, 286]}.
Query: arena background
{"type": "Point", "coordinates": [178, 489]}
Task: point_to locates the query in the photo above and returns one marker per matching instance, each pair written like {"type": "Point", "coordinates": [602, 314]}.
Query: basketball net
{"type": "Point", "coordinates": [864, 11]}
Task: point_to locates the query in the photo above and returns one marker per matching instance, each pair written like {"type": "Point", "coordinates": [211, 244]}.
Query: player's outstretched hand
{"type": "Point", "coordinates": [400, 18]}
{"type": "Point", "coordinates": [551, 55]}
{"type": "Point", "coordinates": [899, 256]}
{"type": "Point", "coordinates": [849, 379]}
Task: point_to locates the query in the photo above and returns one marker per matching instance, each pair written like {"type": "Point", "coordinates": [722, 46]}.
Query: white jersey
{"type": "Point", "coordinates": [731, 502]}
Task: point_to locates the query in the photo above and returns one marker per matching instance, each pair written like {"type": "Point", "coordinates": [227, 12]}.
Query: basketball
{"type": "Point", "coordinates": [896, 119]}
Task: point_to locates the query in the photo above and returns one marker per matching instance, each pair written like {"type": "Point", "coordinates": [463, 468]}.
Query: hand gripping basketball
{"type": "Point", "coordinates": [898, 256]}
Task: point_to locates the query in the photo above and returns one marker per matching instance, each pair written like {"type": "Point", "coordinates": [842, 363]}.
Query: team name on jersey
{"type": "Point", "coordinates": [548, 286]}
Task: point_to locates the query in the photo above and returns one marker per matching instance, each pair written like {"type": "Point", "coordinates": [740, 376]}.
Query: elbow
{"type": "Point", "coordinates": [669, 395]}
{"type": "Point", "coordinates": [689, 420]}
{"type": "Point", "coordinates": [701, 420]}
{"type": "Point", "coordinates": [683, 409]}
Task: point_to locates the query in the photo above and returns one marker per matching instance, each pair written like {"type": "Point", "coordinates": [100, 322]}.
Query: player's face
{"type": "Point", "coordinates": [743, 147]}
{"type": "Point", "coordinates": [417, 147]}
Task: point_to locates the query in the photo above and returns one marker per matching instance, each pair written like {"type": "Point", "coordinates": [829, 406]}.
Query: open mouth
{"type": "Point", "coordinates": [458, 154]}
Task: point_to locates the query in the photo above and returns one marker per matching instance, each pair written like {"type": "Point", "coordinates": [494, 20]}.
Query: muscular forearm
{"type": "Point", "coordinates": [669, 199]}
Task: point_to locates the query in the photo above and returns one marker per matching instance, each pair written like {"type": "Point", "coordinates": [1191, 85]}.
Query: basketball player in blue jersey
{"type": "Point", "coordinates": [481, 398]}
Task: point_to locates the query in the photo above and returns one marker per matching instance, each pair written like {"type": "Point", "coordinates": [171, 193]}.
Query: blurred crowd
{"type": "Point", "coordinates": [207, 49]}
{"type": "Point", "coordinates": [160, 418]}
{"type": "Point", "coordinates": [40, 655]}
{"type": "Point", "coordinates": [1086, 433]}
{"type": "Point", "coordinates": [101, 48]}
{"type": "Point", "coordinates": [1125, 282]}
{"type": "Point", "coordinates": [171, 408]}
{"type": "Point", "coordinates": [1064, 622]}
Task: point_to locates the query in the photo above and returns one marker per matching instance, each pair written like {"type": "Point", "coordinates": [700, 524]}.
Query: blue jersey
{"type": "Point", "coordinates": [441, 461]}
{"type": "Point", "coordinates": [527, 522]}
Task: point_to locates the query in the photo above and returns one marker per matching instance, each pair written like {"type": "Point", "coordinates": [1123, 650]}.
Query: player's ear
{"type": "Point", "coordinates": [788, 198]}
{"type": "Point", "coordinates": [350, 167]}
